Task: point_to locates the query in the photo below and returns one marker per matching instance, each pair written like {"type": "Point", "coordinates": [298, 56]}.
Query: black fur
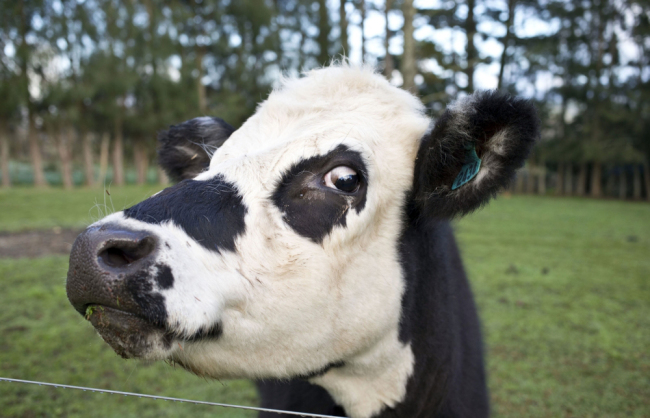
{"type": "Point", "coordinates": [440, 322]}
{"type": "Point", "coordinates": [474, 121]}
{"type": "Point", "coordinates": [164, 277]}
{"type": "Point", "coordinates": [295, 395]}
{"type": "Point", "coordinates": [151, 304]}
{"type": "Point", "coordinates": [212, 212]}
{"type": "Point", "coordinates": [321, 371]}
{"type": "Point", "coordinates": [307, 205]}
{"type": "Point", "coordinates": [212, 333]}
{"type": "Point", "coordinates": [184, 150]}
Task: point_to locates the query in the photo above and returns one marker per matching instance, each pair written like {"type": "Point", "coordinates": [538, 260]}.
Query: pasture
{"type": "Point", "coordinates": [563, 287]}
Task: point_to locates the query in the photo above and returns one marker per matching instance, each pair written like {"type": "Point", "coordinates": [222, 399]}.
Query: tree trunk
{"type": "Point", "coordinates": [562, 115]}
{"type": "Point", "coordinates": [559, 187]}
{"type": "Point", "coordinates": [141, 162]}
{"type": "Point", "coordinates": [35, 153]}
{"type": "Point", "coordinates": [568, 184]}
{"type": "Point", "coordinates": [596, 175]}
{"type": "Point", "coordinates": [343, 23]}
{"type": "Point", "coordinates": [506, 41]}
{"type": "Point", "coordinates": [301, 51]}
{"type": "Point", "coordinates": [646, 177]}
{"type": "Point", "coordinates": [470, 30]}
{"type": "Point", "coordinates": [63, 147]}
{"type": "Point", "coordinates": [118, 154]}
{"type": "Point", "coordinates": [4, 158]}
{"type": "Point", "coordinates": [23, 55]}
{"type": "Point", "coordinates": [541, 179]}
{"type": "Point", "coordinates": [530, 179]}
{"type": "Point", "coordinates": [637, 183]}
{"type": "Point", "coordinates": [622, 185]}
{"type": "Point", "coordinates": [408, 57]}
{"type": "Point", "coordinates": [89, 173]}
{"type": "Point", "coordinates": [324, 29]}
{"type": "Point", "coordinates": [389, 65]}
{"type": "Point", "coordinates": [162, 177]}
{"type": "Point", "coordinates": [610, 186]}
{"type": "Point", "coordinates": [519, 182]}
{"type": "Point", "coordinates": [200, 87]}
{"type": "Point", "coordinates": [137, 159]}
{"type": "Point", "coordinates": [362, 7]}
{"type": "Point", "coordinates": [582, 180]}
{"type": "Point", "coordinates": [103, 158]}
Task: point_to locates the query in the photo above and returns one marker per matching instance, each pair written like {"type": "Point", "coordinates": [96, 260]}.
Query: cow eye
{"type": "Point", "coordinates": [342, 178]}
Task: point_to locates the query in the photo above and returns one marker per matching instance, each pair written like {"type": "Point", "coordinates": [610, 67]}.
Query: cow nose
{"type": "Point", "coordinates": [103, 262]}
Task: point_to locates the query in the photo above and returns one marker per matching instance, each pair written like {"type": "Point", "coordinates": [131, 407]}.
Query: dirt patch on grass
{"type": "Point", "coordinates": [38, 243]}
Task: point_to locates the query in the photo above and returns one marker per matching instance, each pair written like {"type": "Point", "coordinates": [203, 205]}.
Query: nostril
{"type": "Point", "coordinates": [114, 257]}
{"type": "Point", "coordinates": [121, 253]}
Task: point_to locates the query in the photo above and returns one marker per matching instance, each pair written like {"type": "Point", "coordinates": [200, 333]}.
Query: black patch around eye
{"type": "Point", "coordinates": [311, 208]}
{"type": "Point", "coordinates": [211, 212]}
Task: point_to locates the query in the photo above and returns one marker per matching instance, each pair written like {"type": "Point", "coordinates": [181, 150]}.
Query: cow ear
{"type": "Point", "coordinates": [185, 150]}
{"type": "Point", "coordinates": [472, 152]}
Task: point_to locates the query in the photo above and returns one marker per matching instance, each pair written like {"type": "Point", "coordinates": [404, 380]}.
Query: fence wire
{"type": "Point", "coordinates": [164, 398]}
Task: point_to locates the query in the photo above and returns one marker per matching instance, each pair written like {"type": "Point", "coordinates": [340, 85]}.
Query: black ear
{"type": "Point", "coordinates": [472, 153]}
{"type": "Point", "coordinates": [185, 150]}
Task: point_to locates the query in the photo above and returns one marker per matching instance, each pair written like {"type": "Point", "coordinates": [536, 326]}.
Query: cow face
{"type": "Point", "coordinates": [280, 257]}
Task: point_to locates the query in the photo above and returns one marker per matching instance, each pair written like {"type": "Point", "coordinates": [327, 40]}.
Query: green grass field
{"type": "Point", "coordinates": [563, 286]}
{"type": "Point", "coordinates": [27, 208]}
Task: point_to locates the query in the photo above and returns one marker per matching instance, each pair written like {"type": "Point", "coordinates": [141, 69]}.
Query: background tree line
{"type": "Point", "coordinates": [85, 85]}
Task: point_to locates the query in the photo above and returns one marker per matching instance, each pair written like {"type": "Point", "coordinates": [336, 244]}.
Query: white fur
{"type": "Point", "coordinates": [290, 306]}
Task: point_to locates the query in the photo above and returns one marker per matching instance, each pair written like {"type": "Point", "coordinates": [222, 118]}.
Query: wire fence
{"type": "Point", "coordinates": [164, 398]}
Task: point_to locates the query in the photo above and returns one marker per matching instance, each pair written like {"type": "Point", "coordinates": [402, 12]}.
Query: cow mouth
{"type": "Point", "coordinates": [129, 335]}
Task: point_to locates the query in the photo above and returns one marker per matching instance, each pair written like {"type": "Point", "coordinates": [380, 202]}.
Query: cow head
{"type": "Point", "coordinates": [277, 256]}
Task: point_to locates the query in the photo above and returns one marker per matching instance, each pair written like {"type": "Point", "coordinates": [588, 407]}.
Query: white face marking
{"type": "Point", "coordinates": [290, 306]}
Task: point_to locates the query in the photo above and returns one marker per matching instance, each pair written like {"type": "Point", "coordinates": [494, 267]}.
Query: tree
{"type": "Point", "coordinates": [324, 28]}
{"type": "Point", "coordinates": [20, 16]}
{"type": "Point", "coordinates": [361, 5]}
{"type": "Point", "coordinates": [638, 87]}
{"type": "Point", "coordinates": [389, 64]}
{"type": "Point", "coordinates": [408, 67]}
{"type": "Point", "coordinates": [506, 41]}
{"type": "Point", "coordinates": [343, 26]}
{"type": "Point", "coordinates": [470, 49]}
{"type": "Point", "coordinates": [9, 105]}
{"type": "Point", "coordinates": [589, 106]}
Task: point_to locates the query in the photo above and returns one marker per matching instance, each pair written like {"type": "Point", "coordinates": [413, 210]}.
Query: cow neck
{"type": "Point", "coordinates": [372, 381]}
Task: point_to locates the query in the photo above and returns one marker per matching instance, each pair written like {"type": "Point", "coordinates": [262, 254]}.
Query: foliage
{"type": "Point", "coordinates": [131, 68]}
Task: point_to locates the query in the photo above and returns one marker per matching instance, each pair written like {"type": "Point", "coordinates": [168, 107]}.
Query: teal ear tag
{"type": "Point", "coordinates": [470, 168]}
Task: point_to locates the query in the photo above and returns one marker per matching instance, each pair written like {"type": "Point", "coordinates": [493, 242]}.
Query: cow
{"type": "Point", "coordinates": [311, 249]}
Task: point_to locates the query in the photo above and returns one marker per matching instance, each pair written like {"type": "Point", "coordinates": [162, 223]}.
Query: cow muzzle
{"type": "Point", "coordinates": [110, 283]}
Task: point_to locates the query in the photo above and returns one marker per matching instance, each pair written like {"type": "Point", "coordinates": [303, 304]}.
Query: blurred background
{"type": "Point", "coordinates": [560, 263]}
{"type": "Point", "coordinates": [87, 84]}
